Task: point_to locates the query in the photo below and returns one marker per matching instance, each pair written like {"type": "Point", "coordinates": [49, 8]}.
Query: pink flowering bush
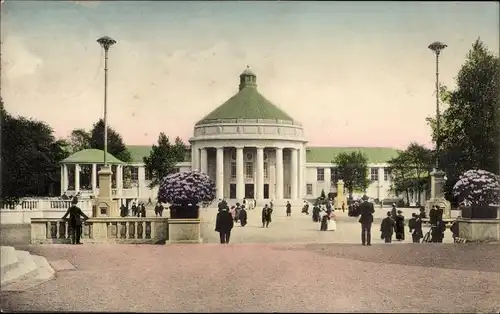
{"type": "Point", "coordinates": [186, 188]}
{"type": "Point", "coordinates": [478, 187]}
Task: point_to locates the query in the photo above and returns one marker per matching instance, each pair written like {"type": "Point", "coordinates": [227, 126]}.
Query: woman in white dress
{"type": "Point", "coordinates": [332, 223]}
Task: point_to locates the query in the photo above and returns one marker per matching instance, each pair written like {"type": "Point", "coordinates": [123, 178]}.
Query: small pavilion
{"type": "Point", "coordinates": [88, 162]}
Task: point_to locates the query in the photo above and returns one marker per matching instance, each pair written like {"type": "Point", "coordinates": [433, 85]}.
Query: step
{"type": "Point", "coordinates": [8, 259]}
{"type": "Point", "coordinates": [43, 273]}
{"type": "Point", "coordinates": [25, 266]}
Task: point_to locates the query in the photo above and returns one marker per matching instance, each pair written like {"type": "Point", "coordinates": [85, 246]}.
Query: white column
{"type": "Point", "coordinates": [260, 174]}
{"type": "Point", "coordinates": [203, 160]}
{"type": "Point", "coordinates": [77, 178]}
{"type": "Point", "coordinates": [62, 180]}
{"type": "Point", "coordinates": [380, 185]}
{"type": "Point", "coordinates": [120, 180]}
{"type": "Point", "coordinates": [195, 160]}
{"type": "Point", "coordinates": [240, 174]}
{"type": "Point", "coordinates": [328, 180]}
{"type": "Point", "coordinates": [279, 173]}
{"type": "Point", "coordinates": [65, 175]}
{"type": "Point", "coordinates": [301, 175]}
{"type": "Point", "coordinates": [219, 170]}
{"type": "Point", "coordinates": [294, 175]}
{"type": "Point", "coordinates": [94, 179]}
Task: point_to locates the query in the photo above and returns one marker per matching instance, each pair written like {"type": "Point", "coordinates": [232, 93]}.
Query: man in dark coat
{"type": "Point", "coordinates": [159, 209]}
{"type": "Point", "coordinates": [75, 221]}
{"type": "Point", "coordinates": [435, 220]}
{"type": "Point", "coordinates": [243, 216]}
{"type": "Point", "coordinates": [400, 226]}
{"type": "Point", "coordinates": [223, 225]}
{"type": "Point", "coordinates": [415, 226]}
{"type": "Point", "coordinates": [142, 212]}
{"type": "Point", "coordinates": [387, 228]}
{"type": "Point", "coordinates": [366, 210]}
{"type": "Point", "coordinates": [266, 216]}
{"type": "Point", "coordinates": [305, 208]}
{"type": "Point", "coordinates": [288, 209]}
{"type": "Point", "coordinates": [135, 209]}
{"type": "Point", "coordinates": [123, 211]}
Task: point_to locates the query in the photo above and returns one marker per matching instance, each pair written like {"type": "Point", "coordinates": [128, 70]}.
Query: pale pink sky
{"type": "Point", "coordinates": [353, 74]}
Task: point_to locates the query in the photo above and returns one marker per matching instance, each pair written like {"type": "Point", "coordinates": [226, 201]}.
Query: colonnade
{"type": "Point", "coordinates": [199, 162]}
{"type": "Point", "coordinates": [65, 177]}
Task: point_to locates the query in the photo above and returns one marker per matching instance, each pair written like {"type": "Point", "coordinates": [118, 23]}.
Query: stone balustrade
{"type": "Point", "coordinates": [131, 230]}
{"type": "Point", "coordinates": [27, 209]}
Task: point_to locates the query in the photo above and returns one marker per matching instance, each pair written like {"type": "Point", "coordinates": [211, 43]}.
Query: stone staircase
{"type": "Point", "coordinates": [21, 271]}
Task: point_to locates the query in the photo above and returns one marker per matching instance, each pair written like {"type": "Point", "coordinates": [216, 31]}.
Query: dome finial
{"type": "Point", "coordinates": [248, 78]}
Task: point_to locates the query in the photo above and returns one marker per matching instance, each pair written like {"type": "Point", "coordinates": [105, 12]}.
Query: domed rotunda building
{"type": "Point", "coordinates": [252, 148]}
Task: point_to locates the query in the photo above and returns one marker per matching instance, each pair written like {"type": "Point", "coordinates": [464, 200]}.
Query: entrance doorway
{"type": "Point", "coordinates": [249, 191]}
{"type": "Point", "coordinates": [266, 191]}
{"type": "Point", "coordinates": [232, 191]}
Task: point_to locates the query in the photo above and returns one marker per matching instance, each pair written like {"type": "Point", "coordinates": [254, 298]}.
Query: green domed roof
{"type": "Point", "coordinates": [91, 156]}
{"type": "Point", "coordinates": [248, 103]}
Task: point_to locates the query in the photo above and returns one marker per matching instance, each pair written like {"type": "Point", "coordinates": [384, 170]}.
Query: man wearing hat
{"type": "Point", "coordinates": [75, 222]}
{"type": "Point", "coordinates": [366, 210]}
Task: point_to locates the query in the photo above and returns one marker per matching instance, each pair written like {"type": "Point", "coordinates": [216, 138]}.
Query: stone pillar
{"type": "Point", "coordinates": [77, 178]}
{"type": "Point", "coordinates": [279, 173]}
{"type": "Point", "coordinates": [219, 170]}
{"type": "Point", "coordinates": [106, 206]}
{"type": "Point", "coordinates": [328, 180]}
{"type": "Point", "coordinates": [203, 160]}
{"type": "Point", "coordinates": [94, 179]}
{"type": "Point", "coordinates": [437, 195]}
{"type": "Point", "coordinates": [301, 175]}
{"type": "Point", "coordinates": [381, 184]}
{"type": "Point", "coordinates": [294, 176]}
{"type": "Point", "coordinates": [195, 160]}
{"type": "Point", "coordinates": [62, 180]}
{"type": "Point", "coordinates": [240, 174]}
{"type": "Point", "coordinates": [119, 179]}
{"type": "Point", "coordinates": [65, 175]}
{"type": "Point", "coordinates": [259, 191]}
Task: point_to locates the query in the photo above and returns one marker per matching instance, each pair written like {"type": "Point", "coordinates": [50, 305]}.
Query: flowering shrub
{"type": "Point", "coordinates": [186, 187]}
{"type": "Point", "coordinates": [478, 187]}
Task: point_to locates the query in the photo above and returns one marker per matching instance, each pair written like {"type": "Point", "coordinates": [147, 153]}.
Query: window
{"type": "Point", "coordinates": [134, 173]}
{"type": "Point", "coordinates": [333, 175]}
{"type": "Point", "coordinates": [374, 174]}
{"type": "Point", "coordinates": [387, 174]}
{"type": "Point", "coordinates": [309, 189]}
{"type": "Point", "coordinates": [233, 170]}
{"type": "Point", "coordinates": [320, 174]}
{"type": "Point", "coordinates": [249, 170]}
{"type": "Point", "coordinates": [266, 171]}
{"type": "Point", "coordinates": [149, 174]}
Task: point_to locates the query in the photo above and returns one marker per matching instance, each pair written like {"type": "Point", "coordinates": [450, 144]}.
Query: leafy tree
{"type": "Point", "coordinates": [352, 167]}
{"type": "Point", "coordinates": [116, 147]}
{"type": "Point", "coordinates": [163, 158]}
{"type": "Point", "coordinates": [30, 157]}
{"type": "Point", "coordinates": [410, 170]}
{"type": "Point", "coordinates": [470, 133]}
{"type": "Point", "coordinates": [81, 139]}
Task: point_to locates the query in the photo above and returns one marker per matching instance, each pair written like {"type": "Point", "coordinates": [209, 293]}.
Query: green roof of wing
{"type": "Point", "coordinates": [248, 103]}
{"type": "Point", "coordinates": [91, 156]}
{"type": "Point", "coordinates": [313, 154]}
{"type": "Point", "coordinates": [328, 154]}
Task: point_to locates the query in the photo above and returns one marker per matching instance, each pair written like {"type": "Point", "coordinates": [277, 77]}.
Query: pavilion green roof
{"type": "Point", "coordinates": [91, 156]}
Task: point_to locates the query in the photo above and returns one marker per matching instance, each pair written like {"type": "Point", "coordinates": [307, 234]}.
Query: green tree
{"type": "Point", "coordinates": [352, 167]}
{"type": "Point", "coordinates": [30, 157]}
{"type": "Point", "coordinates": [116, 146]}
{"type": "Point", "coordinates": [410, 170]}
{"type": "Point", "coordinates": [163, 158]}
{"type": "Point", "coordinates": [470, 133]}
{"type": "Point", "coordinates": [81, 139]}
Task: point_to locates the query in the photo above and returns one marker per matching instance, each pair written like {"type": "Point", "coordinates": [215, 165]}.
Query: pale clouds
{"type": "Point", "coordinates": [18, 61]}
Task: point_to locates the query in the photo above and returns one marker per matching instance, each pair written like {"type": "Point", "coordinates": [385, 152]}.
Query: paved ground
{"type": "Point", "coordinates": [267, 278]}
{"type": "Point", "coordinates": [299, 228]}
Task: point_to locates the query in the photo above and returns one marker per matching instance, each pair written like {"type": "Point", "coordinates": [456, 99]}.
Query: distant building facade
{"type": "Point", "coordinates": [250, 147]}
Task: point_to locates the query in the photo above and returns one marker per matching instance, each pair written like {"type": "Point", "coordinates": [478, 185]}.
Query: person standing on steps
{"type": "Point", "coordinates": [366, 210]}
{"type": "Point", "coordinates": [387, 228]}
{"type": "Point", "coordinates": [266, 216]}
{"type": "Point", "coordinates": [223, 225]}
{"type": "Point", "coordinates": [288, 209]}
{"type": "Point", "coordinates": [75, 221]}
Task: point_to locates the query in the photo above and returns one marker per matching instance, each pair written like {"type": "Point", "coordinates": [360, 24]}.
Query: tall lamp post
{"type": "Point", "coordinates": [105, 43]}
{"type": "Point", "coordinates": [106, 205]}
{"type": "Point", "coordinates": [438, 177]}
{"type": "Point", "coordinates": [437, 47]}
